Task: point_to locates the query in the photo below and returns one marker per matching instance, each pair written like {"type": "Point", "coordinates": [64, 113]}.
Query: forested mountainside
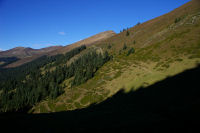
{"type": "Point", "coordinates": [27, 85]}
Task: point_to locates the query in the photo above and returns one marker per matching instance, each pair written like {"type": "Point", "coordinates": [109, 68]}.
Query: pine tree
{"type": "Point", "coordinates": [131, 50]}
{"type": "Point", "coordinates": [127, 33]}
{"type": "Point", "coordinates": [125, 47]}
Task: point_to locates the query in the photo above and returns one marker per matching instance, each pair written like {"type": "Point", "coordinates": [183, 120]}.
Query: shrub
{"type": "Point", "coordinates": [131, 51]}
{"type": "Point", "coordinates": [125, 47]}
{"type": "Point", "coordinates": [177, 20]}
{"type": "Point", "coordinates": [138, 23]}
{"type": "Point", "coordinates": [179, 59]}
{"type": "Point", "coordinates": [109, 46]}
{"type": "Point", "coordinates": [120, 51]}
{"type": "Point", "coordinates": [127, 33]}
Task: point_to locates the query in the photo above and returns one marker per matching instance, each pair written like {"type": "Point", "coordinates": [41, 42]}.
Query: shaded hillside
{"type": "Point", "coordinates": [171, 105]}
{"type": "Point", "coordinates": [4, 61]}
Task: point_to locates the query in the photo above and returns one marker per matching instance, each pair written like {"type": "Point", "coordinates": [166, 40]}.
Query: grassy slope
{"type": "Point", "coordinates": [163, 48]}
{"type": "Point", "coordinates": [168, 106]}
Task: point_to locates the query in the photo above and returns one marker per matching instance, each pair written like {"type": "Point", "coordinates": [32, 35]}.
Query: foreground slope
{"type": "Point", "coordinates": [171, 105]}
{"type": "Point", "coordinates": [142, 55]}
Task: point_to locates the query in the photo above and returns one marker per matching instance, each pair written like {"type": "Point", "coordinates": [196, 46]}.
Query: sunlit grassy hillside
{"type": "Point", "coordinates": [142, 55]}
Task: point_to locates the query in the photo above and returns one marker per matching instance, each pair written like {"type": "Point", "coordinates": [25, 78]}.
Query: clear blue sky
{"type": "Point", "coordinates": [42, 23]}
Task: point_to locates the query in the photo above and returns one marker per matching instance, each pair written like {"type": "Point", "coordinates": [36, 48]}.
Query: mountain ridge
{"type": "Point", "coordinates": [23, 52]}
{"type": "Point", "coordinates": [87, 41]}
{"type": "Point", "coordinates": [28, 54]}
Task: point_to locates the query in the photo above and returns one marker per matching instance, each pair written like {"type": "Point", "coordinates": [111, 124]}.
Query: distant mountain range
{"type": "Point", "coordinates": [22, 52]}
{"type": "Point", "coordinates": [28, 54]}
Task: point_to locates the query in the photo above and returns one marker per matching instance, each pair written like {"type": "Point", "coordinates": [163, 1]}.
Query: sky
{"type": "Point", "coordinates": [44, 23]}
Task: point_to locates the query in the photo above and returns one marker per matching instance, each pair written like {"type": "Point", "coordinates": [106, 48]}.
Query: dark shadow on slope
{"type": "Point", "coordinates": [7, 60]}
{"type": "Point", "coordinates": [171, 105]}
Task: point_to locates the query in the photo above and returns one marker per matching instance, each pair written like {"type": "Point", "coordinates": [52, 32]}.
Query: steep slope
{"type": "Point", "coordinates": [87, 42]}
{"type": "Point", "coordinates": [176, 24]}
{"type": "Point", "coordinates": [142, 55]}
{"type": "Point", "coordinates": [163, 47]}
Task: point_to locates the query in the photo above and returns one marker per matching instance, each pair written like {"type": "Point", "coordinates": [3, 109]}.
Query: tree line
{"type": "Point", "coordinates": [29, 87]}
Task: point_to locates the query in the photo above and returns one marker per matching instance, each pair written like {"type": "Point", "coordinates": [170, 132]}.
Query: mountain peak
{"type": "Point", "coordinates": [88, 41]}
{"type": "Point", "coordinates": [23, 52]}
{"type": "Point", "coordinates": [18, 48]}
